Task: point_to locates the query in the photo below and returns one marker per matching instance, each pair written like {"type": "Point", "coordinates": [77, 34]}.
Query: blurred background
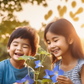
{"type": "Point", "coordinates": [37, 14]}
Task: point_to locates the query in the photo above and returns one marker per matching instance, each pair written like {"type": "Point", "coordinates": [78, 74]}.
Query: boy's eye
{"type": "Point", "coordinates": [15, 44]}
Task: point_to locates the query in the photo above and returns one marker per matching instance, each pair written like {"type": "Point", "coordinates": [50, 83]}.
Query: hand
{"type": "Point", "coordinates": [63, 80]}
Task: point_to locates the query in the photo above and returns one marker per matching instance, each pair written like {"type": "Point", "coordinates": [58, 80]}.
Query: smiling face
{"type": "Point", "coordinates": [56, 44]}
{"type": "Point", "coordinates": [19, 47]}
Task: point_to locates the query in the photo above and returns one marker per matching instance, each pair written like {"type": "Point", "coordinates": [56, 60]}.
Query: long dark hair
{"type": "Point", "coordinates": [65, 28]}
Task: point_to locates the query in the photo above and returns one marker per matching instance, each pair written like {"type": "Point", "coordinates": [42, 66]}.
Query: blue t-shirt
{"type": "Point", "coordinates": [9, 74]}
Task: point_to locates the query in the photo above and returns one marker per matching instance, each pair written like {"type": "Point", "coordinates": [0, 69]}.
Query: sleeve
{"type": "Point", "coordinates": [31, 72]}
{"type": "Point", "coordinates": [81, 63]}
{"type": "Point", "coordinates": [1, 71]}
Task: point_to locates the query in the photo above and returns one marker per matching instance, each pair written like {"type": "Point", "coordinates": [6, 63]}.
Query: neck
{"type": "Point", "coordinates": [17, 64]}
{"type": "Point", "coordinates": [68, 59]}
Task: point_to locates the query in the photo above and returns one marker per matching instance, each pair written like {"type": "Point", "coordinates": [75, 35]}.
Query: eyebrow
{"type": "Point", "coordinates": [52, 38]}
{"type": "Point", "coordinates": [23, 43]}
{"type": "Point", "coordinates": [55, 37]}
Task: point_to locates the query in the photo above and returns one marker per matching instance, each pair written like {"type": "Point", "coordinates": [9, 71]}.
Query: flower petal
{"type": "Point", "coordinates": [51, 72]}
{"type": "Point", "coordinates": [47, 74]}
{"type": "Point", "coordinates": [31, 81]}
{"type": "Point", "coordinates": [60, 72]}
{"type": "Point", "coordinates": [36, 62]}
{"type": "Point", "coordinates": [54, 79]}
{"type": "Point", "coordinates": [56, 68]}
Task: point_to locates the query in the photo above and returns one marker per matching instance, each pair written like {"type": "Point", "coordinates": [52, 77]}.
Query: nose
{"type": "Point", "coordinates": [52, 45]}
{"type": "Point", "coordinates": [19, 47]}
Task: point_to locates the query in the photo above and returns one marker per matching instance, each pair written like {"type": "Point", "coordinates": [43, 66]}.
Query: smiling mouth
{"type": "Point", "coordinates": [18, 54]}
{"type": "Point", "coordinates": [55, 51]}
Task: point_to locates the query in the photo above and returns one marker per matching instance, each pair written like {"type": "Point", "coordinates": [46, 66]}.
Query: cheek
{"type": "Point", "coordinates": [27, 52]}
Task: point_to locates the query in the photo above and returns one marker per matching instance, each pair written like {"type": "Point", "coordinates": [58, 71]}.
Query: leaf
{"type": "Point", "coordinates": [46, 17]}
{"type": "Point", "coordinates": [64, 9]}
{"type": "Point", "coordinates": [26, 58]}
{"type": "Point", "coordinates": [73, 4]}
{"type": "Point", "coordinates": [82, 1]}
{"type": "Point", "coordinates": [50, 13]}
{"type": "Point", "coordinates": [80, 10]}
{"type": "Point", "coordinates": [76, 19]}
{"type": "Point", "coordinates": [72, 15]}
{"type": "Point", "coordinates": [31, 58]}
{"type": "Point", "coordinates": [46, 80]}
{"type": "Point", "coordinates": [82, 25]}
{"type": "Point", "coordinates": [58, 7]}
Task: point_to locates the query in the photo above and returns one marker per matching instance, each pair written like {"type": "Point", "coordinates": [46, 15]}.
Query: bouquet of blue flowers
{"type": "Point", "coordinates": [50, 76]}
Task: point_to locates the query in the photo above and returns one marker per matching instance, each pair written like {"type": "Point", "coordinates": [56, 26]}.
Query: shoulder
{"type": "Point", "coordinates": [3, 63]}
{"type": "Point", "coordinates": [80, 63]}
{"type": "Point", "coordinates": [57, 63]}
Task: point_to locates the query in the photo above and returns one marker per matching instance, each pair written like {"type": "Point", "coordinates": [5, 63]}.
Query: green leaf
{"type": "Point", "coordinates": [26, 58]}
{"type": "Point", "coordinates": [46, 80]}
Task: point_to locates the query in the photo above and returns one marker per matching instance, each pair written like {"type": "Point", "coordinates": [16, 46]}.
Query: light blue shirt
{"type": "Point", "coordinates": [75, 73]}
{"type": "Point", "coordinates": [9, 74]}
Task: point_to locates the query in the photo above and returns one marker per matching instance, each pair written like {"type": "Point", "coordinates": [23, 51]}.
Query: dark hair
{"type": "Point", "coordinates": [26, 33]}
{"type": "Point", "coordinates": [65, 28]}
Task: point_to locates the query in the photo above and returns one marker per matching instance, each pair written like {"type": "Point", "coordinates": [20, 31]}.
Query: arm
{"type": "Point", "coordinates": [82, 74]}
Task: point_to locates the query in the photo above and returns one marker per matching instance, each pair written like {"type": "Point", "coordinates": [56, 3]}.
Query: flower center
{"type": "Point", "coordinates": [56, 73]}
{"type": "Point", "coordinates": [39, 64]}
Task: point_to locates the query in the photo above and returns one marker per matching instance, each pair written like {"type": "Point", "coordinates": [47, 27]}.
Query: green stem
{"type": "Point", "coordinates": [28, 67]}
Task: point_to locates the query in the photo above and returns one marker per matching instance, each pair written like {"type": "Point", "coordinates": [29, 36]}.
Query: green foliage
{"type": "Point", "coordinates": [26, 58]}
{"type": "Point", "coordinates": [3, 52]}
{"type": "Point", "coordinates": [41, 52]}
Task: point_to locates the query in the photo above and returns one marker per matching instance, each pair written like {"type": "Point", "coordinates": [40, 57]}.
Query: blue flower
{"type": "Point", "coordinates": [38, 64]}
{"type": "Point", "coordinates": [26, 78]}
{"type": "Point", "coordinates": [56, 72]}
{"type": "Point", "coordinates": [47, 74]}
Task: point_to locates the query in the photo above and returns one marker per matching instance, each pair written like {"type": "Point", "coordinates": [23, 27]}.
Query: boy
{"type": "Point", "coordinates": [23, 41]}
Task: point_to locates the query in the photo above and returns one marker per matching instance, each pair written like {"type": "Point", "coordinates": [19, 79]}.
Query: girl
{"type": "Point", "coordinates": [62, 40]}
{"type": "Point", "coordinates": [23, 41]}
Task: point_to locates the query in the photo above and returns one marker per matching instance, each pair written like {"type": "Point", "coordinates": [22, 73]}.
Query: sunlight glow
{"type": "Point", "coordinates": [35, 14]}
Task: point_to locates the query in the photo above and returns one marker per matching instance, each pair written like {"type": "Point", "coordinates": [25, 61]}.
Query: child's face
{"type": "Point", "coordinates": [19, 47]}
{"type": "Point", "coordinates": [57, 44]}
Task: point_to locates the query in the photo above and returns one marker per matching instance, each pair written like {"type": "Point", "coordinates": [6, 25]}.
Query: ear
{"type": "Point", "coordinates": [8, 49]}
{"type": "Point", "coordinates": [70, 39]}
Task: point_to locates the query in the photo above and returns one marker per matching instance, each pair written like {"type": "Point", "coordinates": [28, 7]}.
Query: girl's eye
{"type": "Point", "coordinates": [25, 46]}
{"type": "Point", "coordinates": [48, 42]}
{"type": "Point", "coordinates": [55, 40]}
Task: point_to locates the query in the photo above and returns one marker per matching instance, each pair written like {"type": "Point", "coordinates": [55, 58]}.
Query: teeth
{"type": "Point", "coordinates": [18, 54]}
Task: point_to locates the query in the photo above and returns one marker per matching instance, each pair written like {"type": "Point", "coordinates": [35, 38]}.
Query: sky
{"type": "Point", "coordinates": [35, 14]}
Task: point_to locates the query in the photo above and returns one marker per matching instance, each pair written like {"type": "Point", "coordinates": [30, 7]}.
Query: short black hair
{"type": "Point", "coordinates": [26, 33]}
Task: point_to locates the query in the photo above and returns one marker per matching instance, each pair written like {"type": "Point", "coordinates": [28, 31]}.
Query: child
{"type": "Point", "coordinates": [62, 40]}
{"type": "Point", "coordinates": [23, 41]}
